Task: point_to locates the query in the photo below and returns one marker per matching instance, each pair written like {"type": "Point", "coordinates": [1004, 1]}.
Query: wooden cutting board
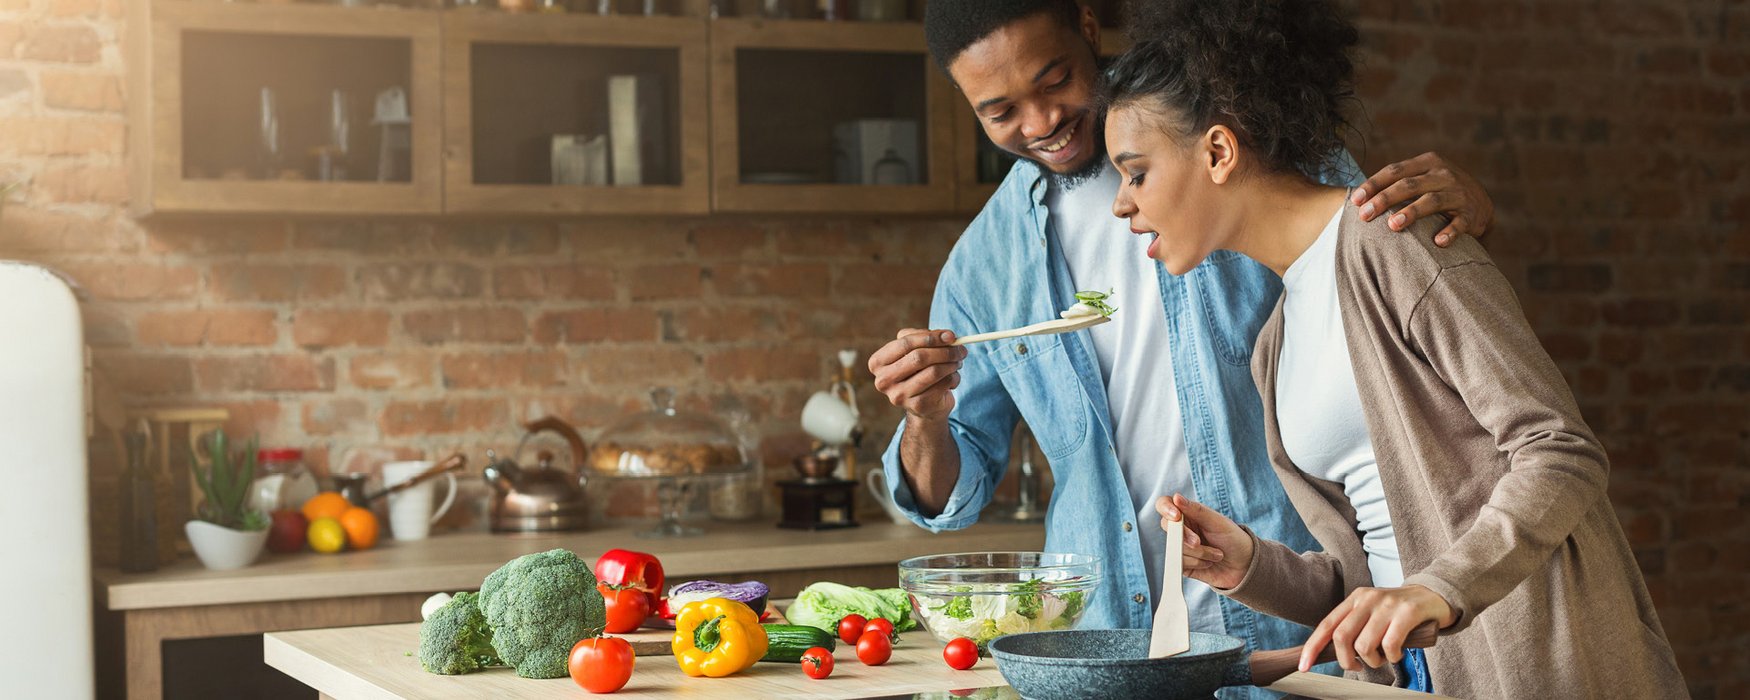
{"type": "Point", "coordinates": [656, 641]}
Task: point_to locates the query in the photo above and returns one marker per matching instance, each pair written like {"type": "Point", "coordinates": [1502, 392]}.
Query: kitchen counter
{"type": "Point", "coordinates": [460, 561]}
{"type": "Point", "coordinates": [386, 584]}
{"type": "Point", "coordinates": [374, 663]}
{"type": "Point", "coordinates": [370, 663]}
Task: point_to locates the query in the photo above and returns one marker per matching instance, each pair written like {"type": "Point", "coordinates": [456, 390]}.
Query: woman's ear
{"type": "Point", "coordinates": [1221, 153]}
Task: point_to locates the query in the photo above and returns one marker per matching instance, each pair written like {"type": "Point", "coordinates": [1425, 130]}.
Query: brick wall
{"type": "Point", "coordinates": [1612, 134]}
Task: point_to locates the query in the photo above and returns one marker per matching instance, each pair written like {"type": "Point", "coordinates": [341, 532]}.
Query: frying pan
{"type": "Point", "coordinates": [1115, 664]}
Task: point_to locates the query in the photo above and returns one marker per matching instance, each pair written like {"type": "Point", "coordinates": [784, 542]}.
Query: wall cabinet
{"type": "Point", "coordinates": [308, 109]}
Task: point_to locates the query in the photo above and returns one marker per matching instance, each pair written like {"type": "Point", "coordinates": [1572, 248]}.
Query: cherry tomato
{"type": "Point", "coordinates": [627, 608]}
{"type": "Point", "coordinates": [817, 662]}
{"type": "Point", "coordinates": [602, 664]}
{"type": "Point", "coordinates": [883, 626]}
{"type": "Point", "coordinates": [851, 627]}
{"type": "Point", "coordinates": [874, 648]}
{"type": "Point", "coordinates": [961, 654]}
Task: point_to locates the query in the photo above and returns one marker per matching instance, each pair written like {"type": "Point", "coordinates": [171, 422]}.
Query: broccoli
{"type": "Point", "coordinates": [539, 606]}
{"type": "Point", "coordinates": [456, 640]}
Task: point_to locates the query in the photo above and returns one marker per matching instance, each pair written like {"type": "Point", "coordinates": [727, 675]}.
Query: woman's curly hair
{"type": "Point", "coordinates": [1277, 72]}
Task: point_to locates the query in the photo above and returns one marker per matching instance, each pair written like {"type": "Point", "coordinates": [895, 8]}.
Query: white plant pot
{"type": "Point", "coordinates": [222, 548]}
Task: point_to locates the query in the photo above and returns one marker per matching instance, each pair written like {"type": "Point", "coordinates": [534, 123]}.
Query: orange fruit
{"type": "Point", "coordinates": [328, 504]}
{"type": "Point", "coordinates": [361, 527]}
{"type": "Point", "coordinates": [327, 535]}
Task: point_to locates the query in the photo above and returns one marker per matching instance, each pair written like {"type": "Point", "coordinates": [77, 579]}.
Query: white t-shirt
{"type": "Point", "coordinates": [1318, 407]}
{"type": "Point", "coordinates": [1137, 364]}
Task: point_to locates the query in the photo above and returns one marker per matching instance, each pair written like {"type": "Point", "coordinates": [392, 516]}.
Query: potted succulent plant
{"type": "Point", "coordinates": [227, 533]}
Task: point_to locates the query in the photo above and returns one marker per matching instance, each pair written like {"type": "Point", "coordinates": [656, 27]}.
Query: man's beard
{"type": "Point", "coordinates": [1071, 180]}
{"type": "Point", "coordinates": [1080, 176]}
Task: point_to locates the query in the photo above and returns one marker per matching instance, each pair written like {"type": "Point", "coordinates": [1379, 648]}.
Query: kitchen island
{"type": "Point", "coordinates": [385, 585]}
{"type": "Point", "coordinates": [381, 663]}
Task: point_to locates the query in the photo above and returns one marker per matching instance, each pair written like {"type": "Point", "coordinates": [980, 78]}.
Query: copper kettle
{"type": "Point", "coordinates": [542, 498]}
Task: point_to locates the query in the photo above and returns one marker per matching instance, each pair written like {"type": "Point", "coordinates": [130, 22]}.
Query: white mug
{"type": "Point", "coordinates": [876, 480]}
{"type": "Point", "coordinates": [829, 419]}
{"type": "Point", "coordinates": [410, 514]}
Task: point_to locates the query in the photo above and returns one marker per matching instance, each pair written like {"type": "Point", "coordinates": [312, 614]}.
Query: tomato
{"type": "Point", "coordinates": [961, 654]}
{"type": "Point", "coordinates": [817, 662]}
{"type": "Point", "coordinates": [601, 664]}
{"type": "Point", "coordinates": [881, 625]}
{"type": "Point", "coordinates": [874, 648]}
{"type": "Point", "coordinates": [627, 608]}
{"type": "Point", "coordinates": [851, 627]}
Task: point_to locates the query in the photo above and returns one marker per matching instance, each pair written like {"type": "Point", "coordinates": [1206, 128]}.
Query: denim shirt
{"type": "Point", "coordinates": [1007, 271]}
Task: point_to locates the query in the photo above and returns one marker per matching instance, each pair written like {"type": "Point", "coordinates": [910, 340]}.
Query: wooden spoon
{"type": "Point", "coordinates": [1062, 325]}
{"type": "Point", "coordinates": [456, 461]}
{"type": "Point", "coordinates": [1172, 627]}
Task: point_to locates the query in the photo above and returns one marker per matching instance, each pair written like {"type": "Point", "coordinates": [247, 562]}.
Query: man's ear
{"type": "Point", "coordinates": [1090, 27]}
{"type": "Point", "coordinates": [1221, 153]}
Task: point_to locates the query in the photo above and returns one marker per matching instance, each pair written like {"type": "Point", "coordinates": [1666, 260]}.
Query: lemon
{"type": "Point", "coordinates": [327, 535]}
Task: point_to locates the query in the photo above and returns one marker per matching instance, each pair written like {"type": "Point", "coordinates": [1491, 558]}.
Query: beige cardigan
{"type": "Point", "coordinates": [1495, 484]}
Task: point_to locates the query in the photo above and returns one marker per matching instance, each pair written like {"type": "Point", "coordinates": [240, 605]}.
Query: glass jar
{"type": "Point", "coordinates": [282, 481]}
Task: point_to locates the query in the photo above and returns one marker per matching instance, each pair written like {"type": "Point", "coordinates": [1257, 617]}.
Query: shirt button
{"type": "Point", "coordinates": [1138, 598]}
{"type": "Point", "coordinates": [1127, 527]}
{"type": "Point", "coordinates": [1021, 348]}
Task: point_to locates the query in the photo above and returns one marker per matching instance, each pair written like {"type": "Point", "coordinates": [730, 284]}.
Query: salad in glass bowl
{"type": "Point", "coordinates": [985, 595]}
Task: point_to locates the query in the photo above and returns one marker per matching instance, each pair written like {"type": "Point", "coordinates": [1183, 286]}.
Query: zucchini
{"type": "Point", "coordinates": [787, 643]}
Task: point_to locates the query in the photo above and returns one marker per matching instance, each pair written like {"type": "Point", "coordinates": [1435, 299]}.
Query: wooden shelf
{"type": "Point", "coordinates": [160, 36]}
{"type": "Point", "coordinates": [858, 52]}
{"type": "Point", "coordinates": [567, 50]}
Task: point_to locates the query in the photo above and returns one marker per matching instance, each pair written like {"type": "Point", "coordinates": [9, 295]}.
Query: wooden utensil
{"type": "Point", "coordinates": [1172, 627]}
{"type": "Point", "coordinates": [1062, 325]}
{"type": "Point", "coordinates": [456, 461]}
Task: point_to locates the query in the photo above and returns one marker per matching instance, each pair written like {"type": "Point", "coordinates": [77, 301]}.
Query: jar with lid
{"type": "Point", "coordinates": [282, 481]}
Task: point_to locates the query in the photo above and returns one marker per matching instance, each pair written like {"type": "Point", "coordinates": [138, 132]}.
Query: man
{"type": "Point", "coordinates": [1122, 421]}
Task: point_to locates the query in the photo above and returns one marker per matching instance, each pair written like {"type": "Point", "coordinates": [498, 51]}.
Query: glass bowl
{"type": "Point", "coordinates": [984, 595]}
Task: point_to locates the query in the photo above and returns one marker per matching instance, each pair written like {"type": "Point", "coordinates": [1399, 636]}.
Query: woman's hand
{"type": "Point", "coordinates": [1431, 185]}
{"type": "Point", "coordinates": [1217, 551]}
{"type": "Point", "coordinates": [1370, 626]}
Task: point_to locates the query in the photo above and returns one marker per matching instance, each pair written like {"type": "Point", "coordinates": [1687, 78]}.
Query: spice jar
{"type": "Point", "coordinates": [282, 481]}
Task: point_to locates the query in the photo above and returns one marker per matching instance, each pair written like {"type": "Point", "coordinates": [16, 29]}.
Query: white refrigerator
{"type": "Point", "coordinates": [48, 651]}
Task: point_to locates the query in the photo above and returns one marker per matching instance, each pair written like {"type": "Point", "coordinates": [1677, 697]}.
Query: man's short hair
{"type": "Point", "coordinates": [950, 26]}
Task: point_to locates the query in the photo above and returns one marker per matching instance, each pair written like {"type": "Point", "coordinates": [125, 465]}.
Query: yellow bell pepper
{"type": "Point", "coordinates": [717, 637]}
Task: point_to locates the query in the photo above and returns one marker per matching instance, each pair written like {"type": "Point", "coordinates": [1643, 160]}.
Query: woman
{"type": "Point", "coordinates": [1417, 425]}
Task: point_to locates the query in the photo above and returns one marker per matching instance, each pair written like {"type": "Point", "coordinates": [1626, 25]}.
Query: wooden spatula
{"type": "Point", "coordinates": [1062, 325]}
{"type": "Point", "coordinates": [1172, 629]}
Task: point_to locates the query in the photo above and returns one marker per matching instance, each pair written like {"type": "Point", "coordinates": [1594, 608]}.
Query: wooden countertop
{"type": "Point", "coordinates": [371, 663]}
{"type": "Point", "coordinates": [459, 561]}
{"type": "Point", "coordinates": [381, 663]}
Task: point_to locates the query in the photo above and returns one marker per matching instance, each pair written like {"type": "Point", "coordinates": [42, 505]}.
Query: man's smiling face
{"type": "Point", "coordinates": [1034, 86]}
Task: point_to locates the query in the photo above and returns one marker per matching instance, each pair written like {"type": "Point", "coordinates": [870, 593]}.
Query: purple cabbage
{"type": "Point", "coordinates": [753, 593]}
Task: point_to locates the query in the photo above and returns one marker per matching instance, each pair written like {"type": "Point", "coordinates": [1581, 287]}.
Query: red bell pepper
{"type": "Point", "coordinates": [620, 568]}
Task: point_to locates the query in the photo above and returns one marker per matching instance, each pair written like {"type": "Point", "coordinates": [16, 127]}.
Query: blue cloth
{"type": "Point", "coordinates": [1007, 271]}
{"type": "Point", "coordinates": [1414, 668]}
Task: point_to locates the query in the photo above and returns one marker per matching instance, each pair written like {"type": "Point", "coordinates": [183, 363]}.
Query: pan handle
{"type": "Point", "coordinates": [1263, 668]}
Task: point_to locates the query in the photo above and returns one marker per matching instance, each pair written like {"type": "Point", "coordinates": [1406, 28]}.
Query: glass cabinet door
{"type": "Point", "coordinates": [287, 109]}
{"type": "Point", "coordinates": [575, 114]}
{"type": "Point", "coordinates": [815, 116]}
